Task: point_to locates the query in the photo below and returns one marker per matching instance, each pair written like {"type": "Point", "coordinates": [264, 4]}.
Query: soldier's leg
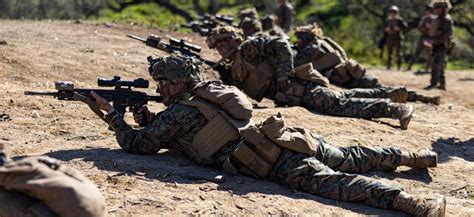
{"type": "Point", "coordinates": [390, 46]}
{"type": "Point", "coordinates": [326, 101]}
{"type": "Point", "coordinates": [417, 54]}
{"type": "Point", "coordinates": [414, 96]}
{"type": "Point", "coordinates": [329, 102]}
{"type": "Point", "coordinates": [437, 66]}
{"type": "Point", "coordinates": [358, 159]}
{"type": "Point", "coordinates": [399, 53]}
{"type": "Point", "coordinates": [308, 174]}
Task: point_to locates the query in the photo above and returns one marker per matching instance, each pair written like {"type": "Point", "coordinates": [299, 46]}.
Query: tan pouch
{"type": "Point", "coordinates": [265, 148]}
{"type": "Point", "coordinates": [229, 98]}
{"type": "Point", "coordinates": [297, 139]}
{"type": "Point", "coordinates": [326, 61]}
{"type": "Point", "coordinates": [340, 75]}
{"type": "Point", "coordinates": [355, 70]}
{"type": "Point", "coordinates": [252, 161]}
{"type": "Point", "coordinates": [307, 72]}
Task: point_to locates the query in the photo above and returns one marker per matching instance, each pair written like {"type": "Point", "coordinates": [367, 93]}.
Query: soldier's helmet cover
{"type": "Point", "coordinates": [177, 68]}
{"type": "Point", "coordinates": [442, 4]}
{"type": "Point", "coordinates": [394, 8]}
{"type": "Point", "coordinates": [248, 12]}
{"type": "Point", "coordinates": [309, 32]}
{"type": "Point", "coordinates": [222, 33]}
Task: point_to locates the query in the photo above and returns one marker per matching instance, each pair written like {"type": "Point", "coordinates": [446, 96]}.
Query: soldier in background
{"type": "Point", "coordinates": [284, 14]}
{"type": "Point", "coordinates": [394, 27]}
{"type": "Point", "coordinates": [211, 123]}
{"type": "Point", "coordinates": [253, 27]}
{"type": "Point", "coordinates": [423, 27]}
{"type": "Point", "coordinates": [263, 68]}
{"type": "Point", "coordinates": [440, 41]}
{"type": "Point", "coordinates": [250, 13]}
{"type": "Point", "coordinates": [331, 60]}
{"type": "Point", "coordinates": [42, 186]}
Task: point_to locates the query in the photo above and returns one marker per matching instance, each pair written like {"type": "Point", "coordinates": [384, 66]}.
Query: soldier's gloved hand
{"type": "Point", "coordinates": [143, 116]}
{"type": "Point", "coordinates": [102, 103]}
{"type": "Point", "coordinates": [283, 84]}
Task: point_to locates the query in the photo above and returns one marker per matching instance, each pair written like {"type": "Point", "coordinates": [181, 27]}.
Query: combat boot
{"type": "Point", "coordinates": [399, 95]}
{"type": "Point", "coordinates": [429, 99]}
{"type": "Point", "coordinates": [433, 206]}
{"type": "Point", "coordinates": [402, 112]}
{"type": "Point", "coordinates": [429, 87]}
{"type": "Point", "coordinates": [422, 159]}
{"type": "Point", "coordinates": [442, 86]}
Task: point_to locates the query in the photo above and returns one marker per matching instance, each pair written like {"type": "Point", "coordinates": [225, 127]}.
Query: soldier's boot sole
{"type": "Point", "coordinates": [426, 158]}
{"type": "Point", "coordinates": [406, 118]}
{"type": "Point", "coordinates": [399, 95]}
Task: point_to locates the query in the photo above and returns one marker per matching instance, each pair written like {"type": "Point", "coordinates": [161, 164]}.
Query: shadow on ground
{"type": "Point", "coordinates": [454, 147]}
{"type": "Point", "coordinates": [171, 167]}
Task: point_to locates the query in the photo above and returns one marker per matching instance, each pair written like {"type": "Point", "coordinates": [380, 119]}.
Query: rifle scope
{"type": "Point", "coordinates": [116, 82]}
{"type": "Point", "coordinates": [183, 44]}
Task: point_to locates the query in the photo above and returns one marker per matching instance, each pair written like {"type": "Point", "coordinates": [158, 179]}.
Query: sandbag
{"type": "Point", "coordinates": [64, 190]}
{"type": "Point", "coordinates": [229, 98]}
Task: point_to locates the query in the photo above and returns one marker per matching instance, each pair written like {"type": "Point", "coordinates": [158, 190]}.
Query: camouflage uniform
{"type": "Point", "coordinates": [423, 27]}
{"type": "Point", "coordinates": [395, 39]}
{"type": "Point", "coordinates": [440, 33]}
{"type": "Point", "coordinates": [324, 174]}
{"type": "Point", "coordinates": [181, 126]}
{"type": "Point", "coordinates": [284, 15]}
{"type": "Point", "coordinates": [321, 99]}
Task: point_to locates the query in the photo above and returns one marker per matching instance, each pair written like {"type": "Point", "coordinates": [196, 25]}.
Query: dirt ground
{"type": "Point", "coordinates": [38, 53]}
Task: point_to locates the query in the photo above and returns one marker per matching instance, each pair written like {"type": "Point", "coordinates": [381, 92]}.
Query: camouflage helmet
{"type": "Point", "coordinates": [393, 8]}
{"type": "Point", "coordinates": [177, 68]}
{"type": "Point", "coordinates": [442, 4]}
{"type": "Point", "coordinates": [248, 12]}
{"type": "Point", "coordinates": [222, 33]}
{"type": "Point", "coordinates": [309, 32]}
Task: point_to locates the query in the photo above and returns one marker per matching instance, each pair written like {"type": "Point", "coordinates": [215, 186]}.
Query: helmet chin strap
{"type": "Point", "coordinates": [226, 56]}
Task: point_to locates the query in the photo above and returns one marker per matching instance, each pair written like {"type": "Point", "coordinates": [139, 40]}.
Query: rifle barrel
{"type": "Point", "coordinates": [41, 93]}
{"type": "Point", "coordinates": [136, 38]}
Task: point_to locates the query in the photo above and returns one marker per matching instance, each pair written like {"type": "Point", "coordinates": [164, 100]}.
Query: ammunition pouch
{"type": "Point", "coordinates": [263, 144]}
{"type": "Point", "coordinates": [344, 72]}
{"type": "Point", "coordinates": [308, 73]}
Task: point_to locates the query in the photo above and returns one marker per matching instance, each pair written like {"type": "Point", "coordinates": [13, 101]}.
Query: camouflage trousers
{"type": "Point", "coordinates": [394, 44]}
{"type": "Point", "coordinates": [419, 48]}
{"type": "Point", "coordinates": [327, 173]}
{"type": "Point", "coordinates": [438, 66]}
{"type": "Point", "coordinates": [359, 103]}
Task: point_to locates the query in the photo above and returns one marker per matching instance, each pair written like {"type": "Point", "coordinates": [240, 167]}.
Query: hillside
{"type": "Point", "coordinates": [38, 53]}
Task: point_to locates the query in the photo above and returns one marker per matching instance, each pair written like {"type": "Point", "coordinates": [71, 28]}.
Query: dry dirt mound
{"type": "Point", "coordinates": [35, 54]}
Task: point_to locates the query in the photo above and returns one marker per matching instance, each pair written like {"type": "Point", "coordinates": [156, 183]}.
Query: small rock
{"type": "Point", "coordinates": [3, 42]}
{"type": "Point", "coordinates": [35, 114]}
{"type": "Point", "coordinates": [450, 106]}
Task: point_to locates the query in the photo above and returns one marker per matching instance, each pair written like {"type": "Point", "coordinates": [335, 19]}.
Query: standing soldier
{"type": "Point", "coordinates": [394, 26]}
{"type": "Point", "coordinates": [423, 27]}
{"type": "Point", "coordinates": [284, 15]}
{"type": "Point", "coordinates": [263, 68]}
{"type": "Point", "coordinates": [441, 34]}
{"type": "Point", "coordinates": [211, 123]}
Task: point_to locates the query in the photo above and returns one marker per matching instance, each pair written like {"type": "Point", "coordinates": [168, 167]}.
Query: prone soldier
{"type": "Point", "coordinates": [440, 41]}
{"type": "Point", "coordinates": [331, 60]}
{"type": "Point", "coordinates": [263, 68]}
{"type": "Point", "coordinates": [423, 28]}
{"type": "Point", "coordinates": [211, 123]}
{"type": "Point", "coordinates": [394, 27]}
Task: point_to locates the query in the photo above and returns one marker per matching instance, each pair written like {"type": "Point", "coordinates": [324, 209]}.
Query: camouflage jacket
{"type": "Point", "coordinates": [257, 51]}
{"type": "Point", "coordinates": [174, 127]}
{"type": "Point", "coordinates": [441, 31]}
{"type": "Point", "coordinates": [424, 25]}
{"type": "Point", "coordinates": [391, 25]}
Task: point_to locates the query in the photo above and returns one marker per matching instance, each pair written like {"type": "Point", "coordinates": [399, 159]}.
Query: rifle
{"type": "Point", "coordinates": [187, 49]}
{"type": "Point", "coordinates": [122, 96]}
